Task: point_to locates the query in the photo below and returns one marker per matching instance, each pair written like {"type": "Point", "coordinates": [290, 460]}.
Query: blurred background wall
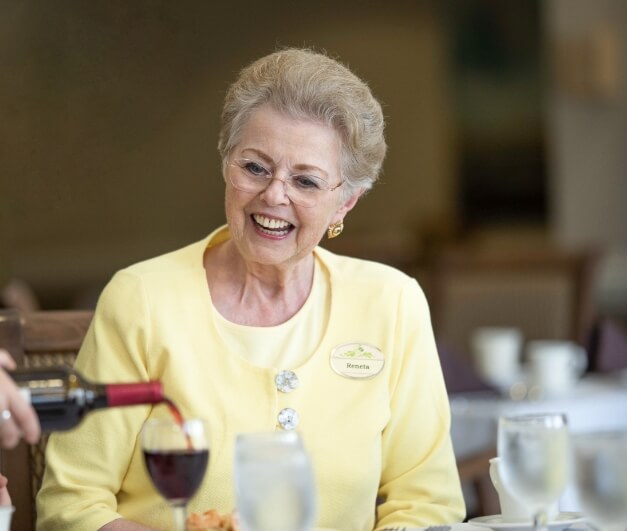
{"type": "Point", "coordinates": [506, 126]}
{"type": "Point", "coordinates": [586, 134]}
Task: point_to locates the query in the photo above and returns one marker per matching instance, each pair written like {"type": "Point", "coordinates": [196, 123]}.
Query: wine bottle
{"type": "Point", "coordinates": [62, 397]}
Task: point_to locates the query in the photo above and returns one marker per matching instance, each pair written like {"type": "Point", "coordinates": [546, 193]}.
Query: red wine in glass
{"type": "Point", "coordinates": [177, 474]}
{"type": "Point", "coordinates": [176, 453]}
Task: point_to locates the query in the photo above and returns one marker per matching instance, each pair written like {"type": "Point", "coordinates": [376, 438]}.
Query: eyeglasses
{"type": "Point", "coordinates": [303, 189]}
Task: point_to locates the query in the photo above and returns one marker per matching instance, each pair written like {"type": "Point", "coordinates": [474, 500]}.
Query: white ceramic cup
{"type": "Point", "coordinates": [6, 513]}
{"type": "Point", "coordinates": [511, 509]}
{"type": "Point", "coordinates": [496, 354]}
{"type": "Point", "coordinates": [555, 366]}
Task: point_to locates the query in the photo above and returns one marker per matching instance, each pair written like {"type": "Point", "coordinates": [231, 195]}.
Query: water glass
{"type": "Point", "coordinates": [601, 478]}
{"type": "Point", "coordinates": [535, 460]}
{"type": "Point", "coordinates": [274, 485]}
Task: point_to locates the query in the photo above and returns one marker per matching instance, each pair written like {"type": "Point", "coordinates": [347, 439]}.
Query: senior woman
{"type": "Point", "coordinates": [229, 322]}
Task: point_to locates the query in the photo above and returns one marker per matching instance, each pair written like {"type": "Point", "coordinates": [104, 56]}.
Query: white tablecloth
{"type": "Point", "coordinates": [596, 403]}
{"type": "Point", "coordinates": [470, 527]}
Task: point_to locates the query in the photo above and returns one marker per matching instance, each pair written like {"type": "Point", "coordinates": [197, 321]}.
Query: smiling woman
{"type": "Point", "coordinates": [287, 145]}
{"type": "Point", "coordinates": [256, 328]}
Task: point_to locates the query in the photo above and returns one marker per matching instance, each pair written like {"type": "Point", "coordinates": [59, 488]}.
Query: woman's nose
{"type": "Point", "coordinates": [276, 192]}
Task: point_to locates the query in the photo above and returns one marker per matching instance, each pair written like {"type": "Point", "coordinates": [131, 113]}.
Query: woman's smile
{"type": "Point", "coordinates": [273, 227]}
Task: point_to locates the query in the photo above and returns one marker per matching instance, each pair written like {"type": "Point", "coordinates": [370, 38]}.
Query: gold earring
{"type": "Point", "coordinates": [335, 230]}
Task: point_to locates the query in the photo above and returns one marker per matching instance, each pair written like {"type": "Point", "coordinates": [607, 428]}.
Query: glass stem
{"type": "Point", "coordinates": [180, 516]}
{"type": "Point", "coordinates": [540, 521]}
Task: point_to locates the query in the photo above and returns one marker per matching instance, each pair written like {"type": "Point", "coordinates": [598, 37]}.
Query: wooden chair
{"type": "Point", "coordinates": [547, 293]}
{"type": "Point", "coordinates": [36, 339]}
{"type": "Point", "coordinates": [474, 473]}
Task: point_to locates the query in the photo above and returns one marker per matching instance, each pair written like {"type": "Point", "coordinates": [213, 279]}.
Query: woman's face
{"type": "Point", "coordinates": [267, 227]}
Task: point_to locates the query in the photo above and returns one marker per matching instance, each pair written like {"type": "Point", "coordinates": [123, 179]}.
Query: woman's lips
{"type": "Point", "coordinates": [272, 226]}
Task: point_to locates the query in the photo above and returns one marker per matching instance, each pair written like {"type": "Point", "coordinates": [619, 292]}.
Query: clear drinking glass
{"type": "Point", "coordinates": [176, 457]}
{"type": "Point", "coordinates": [274, 485]}
{"type": "Point", "coordinates": [601, 478]}
{"type": "Point", "coordinates": [536, 460]}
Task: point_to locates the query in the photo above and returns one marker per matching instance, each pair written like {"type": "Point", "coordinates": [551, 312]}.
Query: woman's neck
{"type": "Point", "coordinates": [256, 294]}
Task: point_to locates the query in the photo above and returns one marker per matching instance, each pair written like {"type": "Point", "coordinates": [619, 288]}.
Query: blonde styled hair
{"type": "Point", "coordinates": [305, 84]}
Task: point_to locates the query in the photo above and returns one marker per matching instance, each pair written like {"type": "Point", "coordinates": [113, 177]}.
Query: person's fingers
{"type": "Point", "coordinates": [5, 498]}
{"type": "Point", "coordinates": [6, 360]}
{"type": "Point", "coordinates": [24, 416]}
{"type": "Point", "coordinates": [9, 434]}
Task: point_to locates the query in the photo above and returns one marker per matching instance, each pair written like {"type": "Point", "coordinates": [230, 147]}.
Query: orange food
{"type": "Point", "coordinates": [212, 520]}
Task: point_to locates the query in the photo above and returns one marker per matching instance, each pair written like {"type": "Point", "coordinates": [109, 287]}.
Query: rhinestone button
{"type": "Point", "coordinates": [286, 381]}
{"type": "Point", "coordinates": [288, 419]}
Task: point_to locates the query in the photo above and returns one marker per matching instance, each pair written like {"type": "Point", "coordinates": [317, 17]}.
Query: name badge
{"type": "Point", "coordinates": [357, 360]}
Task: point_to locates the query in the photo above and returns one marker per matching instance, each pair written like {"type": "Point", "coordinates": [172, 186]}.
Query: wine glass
{"type": "Point", "coordinates": [601, 478]}
{"type": "Point", "coordinates": [274, 485]}
{"type": "Point", "coordinates": [176, 456]}
{"type": "Point", "coordinates": [535, 460]}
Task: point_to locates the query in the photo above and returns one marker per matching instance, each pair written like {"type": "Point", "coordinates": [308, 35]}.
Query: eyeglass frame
{"type": "Point", "coordinates": [323, 186]}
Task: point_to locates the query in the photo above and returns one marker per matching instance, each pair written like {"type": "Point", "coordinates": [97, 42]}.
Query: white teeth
{"type": "Point", "coordinates": [270, 223]}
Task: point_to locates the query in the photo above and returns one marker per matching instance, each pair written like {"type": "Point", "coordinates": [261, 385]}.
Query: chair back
{"type": "Point", "coordinates": [36, 339]}
{"type": "Point", "coordinates": [548, 294]}
{"type": "Point", "coordinates": [480, 494]}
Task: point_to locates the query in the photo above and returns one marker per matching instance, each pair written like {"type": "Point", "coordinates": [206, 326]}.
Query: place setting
{"type": "Point", "coordinates": [538, 459]}
{"type": "Point", "coordinates": [526, 369]}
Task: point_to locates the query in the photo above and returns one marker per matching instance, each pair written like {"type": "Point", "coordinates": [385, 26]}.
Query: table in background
{"type": "Point", "coordinates": [598, 402]}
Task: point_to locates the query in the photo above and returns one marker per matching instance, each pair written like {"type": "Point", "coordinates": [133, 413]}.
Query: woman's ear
{"type": "Point", "coordinates": [347, 205]}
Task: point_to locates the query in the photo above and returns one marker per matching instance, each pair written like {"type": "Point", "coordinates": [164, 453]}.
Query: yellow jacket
{"type": "Point", "coordinates": [384, 437]}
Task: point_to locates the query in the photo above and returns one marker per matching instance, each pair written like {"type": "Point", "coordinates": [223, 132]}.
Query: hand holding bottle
{"type": "Point", "coordinates": [17, 417]}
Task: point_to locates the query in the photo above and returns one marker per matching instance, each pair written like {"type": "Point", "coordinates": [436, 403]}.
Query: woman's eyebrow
{"type": "Point", "coordinates": [309, 167]}
{"type": "Point", "coordinates": [262, 155]}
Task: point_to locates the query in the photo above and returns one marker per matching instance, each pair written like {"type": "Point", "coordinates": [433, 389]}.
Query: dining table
{"type": "Point", "coordinates": [598, 402]}
{"type": "Point", "coordinates": [467, 526]}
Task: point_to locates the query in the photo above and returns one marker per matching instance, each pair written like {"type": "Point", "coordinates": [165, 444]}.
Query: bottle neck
{"type": "Point", "coordinates": [133, 393]}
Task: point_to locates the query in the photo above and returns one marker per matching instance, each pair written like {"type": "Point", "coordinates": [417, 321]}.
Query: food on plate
{"type": "Point", "coordinates": [212, 520]}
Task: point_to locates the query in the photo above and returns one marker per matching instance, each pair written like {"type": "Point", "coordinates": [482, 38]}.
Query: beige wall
{"type": "Point", "coordinates": [109, 116]}
{"type": "Point", "coordinates": [587, 132]}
